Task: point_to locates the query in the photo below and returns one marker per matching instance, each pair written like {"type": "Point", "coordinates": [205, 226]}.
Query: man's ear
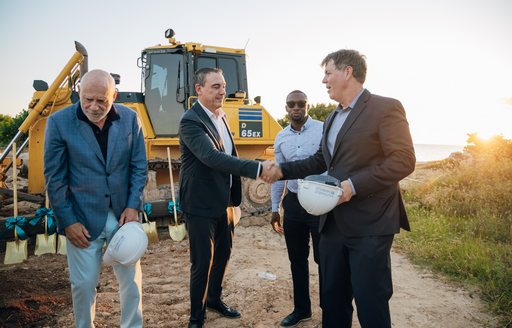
{"type": "Point", "coordinates": [350, 70]}
{"type": "Point", "coordinates": [115, 95]}
{"type": "Point", "coordinates": [197, 87]}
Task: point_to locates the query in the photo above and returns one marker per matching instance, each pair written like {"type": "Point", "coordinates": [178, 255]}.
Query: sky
{"type": "Point", "coordinates": [448, 62]}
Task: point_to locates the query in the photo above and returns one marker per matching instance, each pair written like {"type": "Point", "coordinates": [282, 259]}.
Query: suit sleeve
{"type": "Point", "coordinates": [278, 186]}
{"type": "Point", "coordinates": [399, 161]}
{"type": "Point", "coordinates": [195, 138]}
{"type": "Point", "coordinates": [314, 164]}
{"type": "Point", "coordinates": [56, 174]}
{"type": "Point", "coordinates": [138, 167]}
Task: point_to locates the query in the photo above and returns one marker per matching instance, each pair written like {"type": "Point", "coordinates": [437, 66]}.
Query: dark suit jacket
{"type": "Point", "coordinates": [206, 168]}
{"type": "Point", "coordinates": [81, 184]}
{"type": "Point", "coordinates": [374, 149]}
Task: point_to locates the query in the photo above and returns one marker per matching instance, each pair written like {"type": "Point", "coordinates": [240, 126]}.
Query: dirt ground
{"type": "Point", "coordinates": [36, 292]}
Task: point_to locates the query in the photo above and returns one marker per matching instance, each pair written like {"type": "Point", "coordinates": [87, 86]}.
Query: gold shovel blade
{"type": "Point", "coordinates": [177, 232]}
{"type": "Point", "coordinates": [151, 232]}
{"type": "Point", "coordinates": [16, 252]}
{"type": "Point", "coordinates": [45, 244]}
{"type": "Point", "coordinates": [61, 245]}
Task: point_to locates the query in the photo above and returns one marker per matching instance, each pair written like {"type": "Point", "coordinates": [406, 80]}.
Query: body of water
{"type": "Point", "coordinates": [426, 152]}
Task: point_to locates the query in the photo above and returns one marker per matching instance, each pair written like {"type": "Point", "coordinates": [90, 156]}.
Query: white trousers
{"type": "Point", "coordinates": [84, 272]}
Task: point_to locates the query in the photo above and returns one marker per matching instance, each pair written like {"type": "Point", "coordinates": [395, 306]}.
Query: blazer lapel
{"type": "Point", "coordinates": [88, 136]}
{"type": "Point", "coordinates": [113, 135]}
{"type": "Point", "coordinates": [214, 134]}
{"type": "Point", "coordinates": [351, 118]}
{"type": "Point", "coordinates": [234, 152]}
{"type": "Point", "coordinates": [327, 125]}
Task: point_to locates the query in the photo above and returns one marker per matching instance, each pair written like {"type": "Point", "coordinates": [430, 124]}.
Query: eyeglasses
{"type": "Point", "coordinates": [300, 103]}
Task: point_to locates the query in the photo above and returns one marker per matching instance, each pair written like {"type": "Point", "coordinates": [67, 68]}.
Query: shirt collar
{"type": "Point", "coordinates": [210, 114]}
{"type": "Point", "coordinates": [304, 126]}
{"type": "Point", "coordinates": [352, 104]}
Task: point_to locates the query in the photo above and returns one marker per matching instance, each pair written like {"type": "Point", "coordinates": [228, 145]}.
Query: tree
{"type": "Point", "coordinates": [317, 111]}
{"type": "Point", "coordinates": [9, 127]}
{"type": "Point", "coordinates": [496, 147]}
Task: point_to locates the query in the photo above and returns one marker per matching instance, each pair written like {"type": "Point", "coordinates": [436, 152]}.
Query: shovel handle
{"type": "Point", "coordinates": [14, 180]}
{"type": "Point", "coordinates": [47, 205]}
{"type": "Point", "coordinates": [172, 187]}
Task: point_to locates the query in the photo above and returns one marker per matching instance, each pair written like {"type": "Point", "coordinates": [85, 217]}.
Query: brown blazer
{"type": "Point", "coordinates": [374, 149]}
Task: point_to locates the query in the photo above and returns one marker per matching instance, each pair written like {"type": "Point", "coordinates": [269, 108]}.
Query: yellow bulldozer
{"type": "Point", "coordinates": [167, 92]}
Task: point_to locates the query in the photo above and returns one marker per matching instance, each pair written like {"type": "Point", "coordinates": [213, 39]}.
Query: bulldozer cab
{"type": "Point", "coordinates": [168, 81]}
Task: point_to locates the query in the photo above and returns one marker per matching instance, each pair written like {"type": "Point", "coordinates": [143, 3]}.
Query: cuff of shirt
{"type": "Point", "coordinates": [259, 171]}
{"type": "Point", "coordinates": [353, 189]}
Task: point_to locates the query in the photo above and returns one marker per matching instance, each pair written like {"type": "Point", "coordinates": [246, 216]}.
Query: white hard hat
{"type": "Point", "coordinates": [127, 246]}
{"type": "Point", "coordinates": [318, 194]}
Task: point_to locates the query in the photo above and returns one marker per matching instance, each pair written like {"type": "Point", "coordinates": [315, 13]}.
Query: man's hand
{"type": "Point", "coordinates": [128, 215]}
{"type": "Point", "coordinates": [347, 192]}
{"type": "Point", "coordinates": [271, 172]}
{"type": "Point", "coordinates": [77, 235]}
{"type": "Point", "coordinates": [276, 222]}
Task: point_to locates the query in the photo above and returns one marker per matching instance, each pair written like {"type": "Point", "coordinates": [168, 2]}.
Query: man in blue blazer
{"type": "Point", "coordinates": [209, 183]}
{"type": "Point", "coordinates": [366, 144]}
{"type": "Point", "coordinates": [95, 169]}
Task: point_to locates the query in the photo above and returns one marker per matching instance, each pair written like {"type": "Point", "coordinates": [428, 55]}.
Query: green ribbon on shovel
{"type": "Point", "coordinates": [17, 223]}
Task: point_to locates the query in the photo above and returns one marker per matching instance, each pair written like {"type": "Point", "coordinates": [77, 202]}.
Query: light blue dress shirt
{"type": "Point", "coordinates": [337, 123]}
{"type": "Point", "coordinates": [291, 145]}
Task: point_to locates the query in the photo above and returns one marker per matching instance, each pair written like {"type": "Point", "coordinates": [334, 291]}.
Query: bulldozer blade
{"type": "Point", "coordinates": [16, 251]}
{"type": "Point", "coordinates": [45, 244]}
{"type": "Point", "coordinates": [61, 245]}
{"type": "Point", "coordinates": [177, 232]}
{"type": "Point", "coordinates": [151, 232]}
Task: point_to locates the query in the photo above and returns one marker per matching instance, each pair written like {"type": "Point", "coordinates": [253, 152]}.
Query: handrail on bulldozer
{"type": "Point", "coordinates": [79, 59]}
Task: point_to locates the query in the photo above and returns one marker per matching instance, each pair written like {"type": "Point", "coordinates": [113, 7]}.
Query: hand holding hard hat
{"type": "Point", "coordinates": [319, 194]}
{"type": "Point", "coordinates": [127, 246]}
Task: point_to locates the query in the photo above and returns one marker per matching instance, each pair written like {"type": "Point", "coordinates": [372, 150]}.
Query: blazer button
{"type": "Point", "coordinates": [106, 195]}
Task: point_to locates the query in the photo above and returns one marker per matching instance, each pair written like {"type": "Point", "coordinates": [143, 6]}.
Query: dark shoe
{"type": "Point", "coordinates": [223, 309]}
{"type": "Point", "coordinates": [195, 325]}
{"type": "Point", "coordinates": [294, 318]}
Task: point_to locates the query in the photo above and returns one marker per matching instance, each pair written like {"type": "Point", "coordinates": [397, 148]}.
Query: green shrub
{"type": "Point", "coordinates": [462, 222]}
{"type": "Point", "coordinates": [9, 127]}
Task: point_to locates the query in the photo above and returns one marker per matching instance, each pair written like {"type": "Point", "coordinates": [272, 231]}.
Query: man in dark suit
{"type": "Point", "coordinates": [95, 170]}
{"type": "Point", "coordinates": [367, 145]}
{"type": "Point", "coordinates": [209, 184]}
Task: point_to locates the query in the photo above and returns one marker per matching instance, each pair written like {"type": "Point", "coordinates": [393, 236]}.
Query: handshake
{"type": "Point", "coordinates": [270, 171]}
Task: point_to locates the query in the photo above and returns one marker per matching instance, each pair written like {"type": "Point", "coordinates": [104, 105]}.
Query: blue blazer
{"type": "Point", "coordinates": [80, 184]}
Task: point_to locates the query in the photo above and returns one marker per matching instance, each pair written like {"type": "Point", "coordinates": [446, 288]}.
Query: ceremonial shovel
{"type": "Point", "coordinates": [176, 231]}
{"type": "Point", "coordinates": [150, 229]}
{"type": "Point", "coordinates": [46, 244]}
{"type": "Point", "coordinates": [15, 251]}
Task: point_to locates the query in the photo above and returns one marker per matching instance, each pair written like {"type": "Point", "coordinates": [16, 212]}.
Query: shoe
{"type": "Point", "coordinates": [223, 309]}
{"type": "Point", "coordinates": [294, 318]}
{"type": "Point", "coordinates": [195, 325]}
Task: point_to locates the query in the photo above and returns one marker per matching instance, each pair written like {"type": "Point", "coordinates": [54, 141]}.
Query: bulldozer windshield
{"type": "Point", "coordinates": [165, 92]}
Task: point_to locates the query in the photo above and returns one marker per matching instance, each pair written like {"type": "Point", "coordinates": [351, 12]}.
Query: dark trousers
{"type": "Point", "coordinates": [298, 226]}
{"type": "Point", "coordinates": [211, 240]}
{"type": "Point", "coordinates": [354, 268]}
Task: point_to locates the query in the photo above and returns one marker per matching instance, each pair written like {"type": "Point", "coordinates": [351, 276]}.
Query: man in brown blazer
{"type": "Point", "coordinates": [366, 144]}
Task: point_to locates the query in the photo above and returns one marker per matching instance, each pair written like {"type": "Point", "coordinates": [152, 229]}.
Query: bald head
{"type": "Point", "coordinates": [100, 77]}
{"type": "Point", "coordinates": [97, 92]}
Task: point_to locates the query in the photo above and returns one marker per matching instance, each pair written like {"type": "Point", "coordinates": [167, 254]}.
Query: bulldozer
{"type": "Point", "coordinates": [167, 91]}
